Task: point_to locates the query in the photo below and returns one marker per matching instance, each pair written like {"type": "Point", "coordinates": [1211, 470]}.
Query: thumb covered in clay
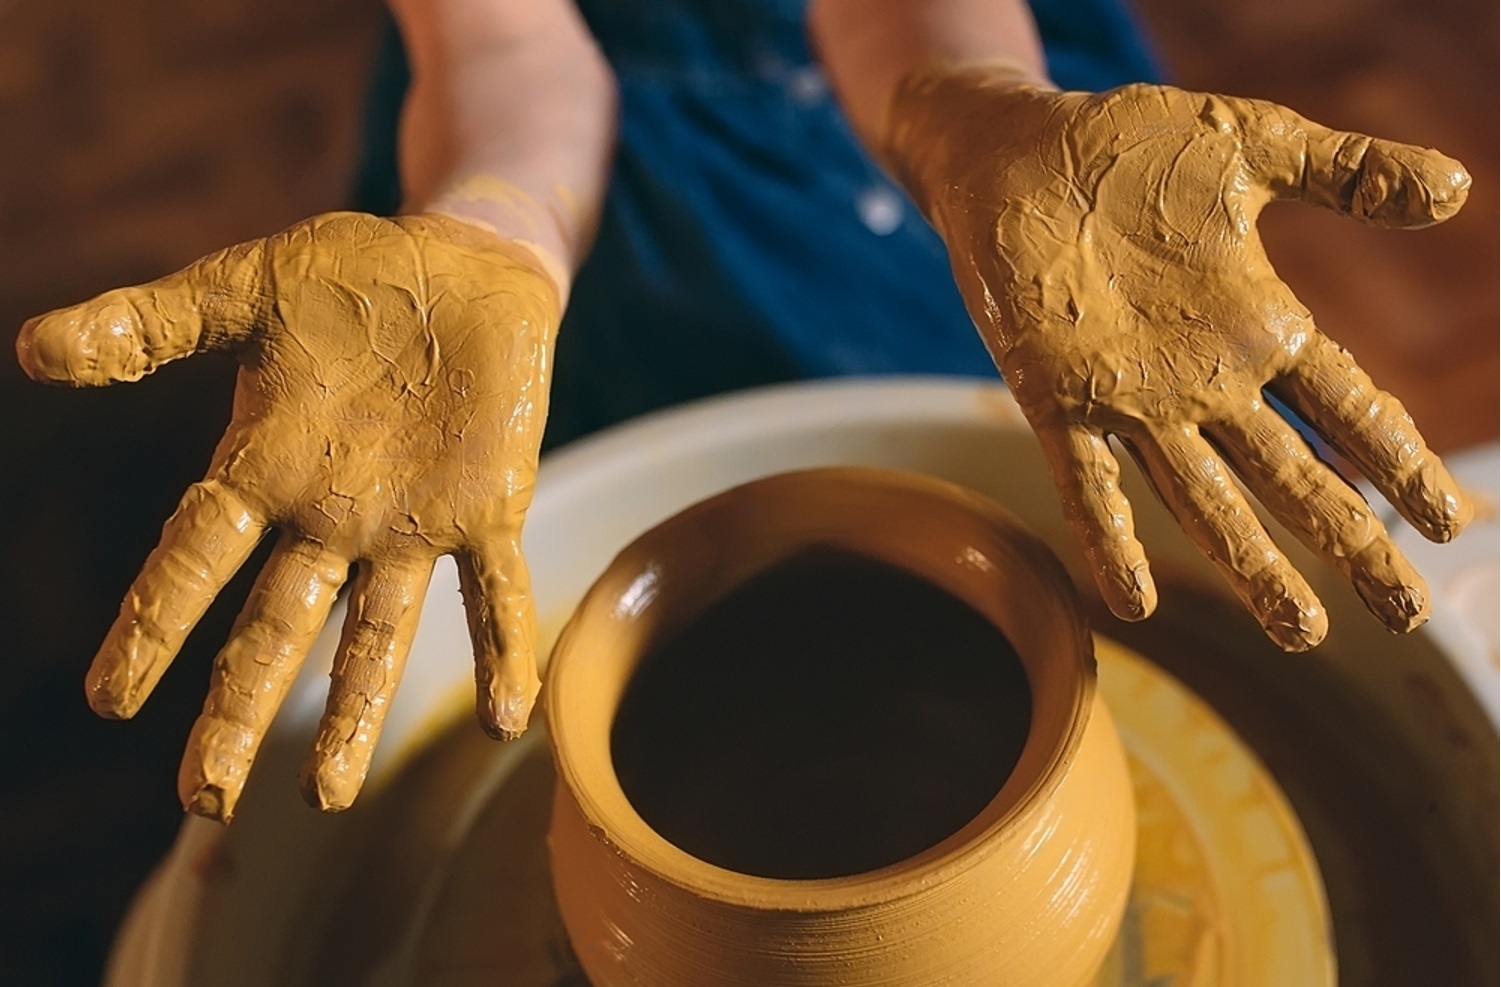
{"type": "Point", "coordinates": [125, 334]}
{"type": "Point", "coordinates": [1379, 182]}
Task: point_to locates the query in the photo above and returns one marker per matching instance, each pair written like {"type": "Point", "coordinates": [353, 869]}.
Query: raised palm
{"type": "Point", "coordinates": [1107, 247]}
{"type": "Point", "coordinates": [389, 410]}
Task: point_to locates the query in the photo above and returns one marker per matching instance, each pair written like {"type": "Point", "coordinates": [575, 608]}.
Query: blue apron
{"type": "Point", "coordinates": [746, 237]}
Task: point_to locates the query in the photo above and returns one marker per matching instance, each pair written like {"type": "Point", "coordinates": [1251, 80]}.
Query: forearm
{"type": "Point", "coordinates": [869, 46]}
{"type": "Point", "coordinates": [510, 120]}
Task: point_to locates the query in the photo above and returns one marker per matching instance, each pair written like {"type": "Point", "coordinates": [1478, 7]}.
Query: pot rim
{"type": "Point", "coordinates": [628, 588]}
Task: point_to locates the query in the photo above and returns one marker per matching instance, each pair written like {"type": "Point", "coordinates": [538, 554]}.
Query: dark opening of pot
{"type": "Point", "coordinates": [832, 716]}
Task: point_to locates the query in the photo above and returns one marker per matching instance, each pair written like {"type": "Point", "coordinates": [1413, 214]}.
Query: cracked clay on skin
{"type": "Point", "coordinates": [389, 410]}
{"type": "Point", "coordinates": [1106, 246]}
{"type": "Point", "coordinates": [394, 386]}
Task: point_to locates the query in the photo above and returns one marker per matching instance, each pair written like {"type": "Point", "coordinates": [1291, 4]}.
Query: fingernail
{"type": "Point", "coordinates": [1450, 184]}
{"type": "Point", "coordinates": [1408, 187]}
{"type": "Point", "coordinates": [26, 354]}
{"type": "Point", "coordinates": [107, 704]}
{"type": "Point", "coordinates": [211, 802]}
{"type": "Point", "coordinates": [83, 346]}
{"type": "Point", "coordinates": [329, 785]}
{"type": "Point", "coordinates": [505, 710]}
{"type": "Point", "coordinates": [504, 733]}
{"type": "Point", "coordinates": [329, 796]}
{"type": "Point", "coordinates": [1401, 608]}
{"type": "Point", "coordinates": [499, 727]}
{"type": "Point", "coordinates": [1408, 608]}
{"type": "Point", "coordinates": [1293, 625]}
{"type": "Point", "coordinates": [1390, 587]}
{"type": "Point", "coordinates": [1132, 595]}
{"type": "Point", "coordinates": [1443, 506]}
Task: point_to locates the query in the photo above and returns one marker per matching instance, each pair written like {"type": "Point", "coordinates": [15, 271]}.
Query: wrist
{"type": "Point", "coordinates": [944, 120]}
{"type": "Point", "coordinates": [510, 129]}
{"type": "Point", "coordinates": [501, 211]}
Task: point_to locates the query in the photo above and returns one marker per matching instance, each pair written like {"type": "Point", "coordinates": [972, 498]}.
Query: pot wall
{"type": "Point", "coordinates": [1029, 893]}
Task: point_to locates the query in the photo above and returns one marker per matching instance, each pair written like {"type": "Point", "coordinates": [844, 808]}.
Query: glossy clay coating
{"type": "Point", "coordinates": [1106, 246]}
{"type": "Point", "coordinates": [389, 410]}
{"type": "Point", "coordinates": [1028, 894]}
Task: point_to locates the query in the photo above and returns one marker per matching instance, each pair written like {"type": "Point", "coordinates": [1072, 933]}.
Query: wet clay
{"type": "Point", "coordinates": [1223, 892]}
{"type": "Point", "coordinates": [389, 410]}
{"type": "Point", "coordinates": [859, 763]}
{"type": "Point", "coordinates": [1106, 247]}
{"type": "Point", "coordinates": [1014, 869]}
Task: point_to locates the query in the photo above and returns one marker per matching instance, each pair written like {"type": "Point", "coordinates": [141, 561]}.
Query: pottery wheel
{"type": "Point", "coordinates": [448, 883]}
{"type": "Point", "coordinates": [1226, 890]}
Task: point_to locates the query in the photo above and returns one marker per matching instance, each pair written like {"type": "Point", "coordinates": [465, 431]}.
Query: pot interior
{"type": "Point", "coordinates": [832, 715]}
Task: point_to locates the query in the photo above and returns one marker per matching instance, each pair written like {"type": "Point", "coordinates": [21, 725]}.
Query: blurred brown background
{"type": "Point", "coordinates": [136, 135]}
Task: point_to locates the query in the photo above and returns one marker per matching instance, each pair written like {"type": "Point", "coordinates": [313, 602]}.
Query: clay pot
{"type": "Point", "coordinates": [1029, 891]}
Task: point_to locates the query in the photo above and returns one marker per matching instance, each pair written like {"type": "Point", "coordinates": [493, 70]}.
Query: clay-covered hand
{"type": "Point", "coordinates": [389, 410]}
{"type": "Point", "coordinates": [1106, 246]}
